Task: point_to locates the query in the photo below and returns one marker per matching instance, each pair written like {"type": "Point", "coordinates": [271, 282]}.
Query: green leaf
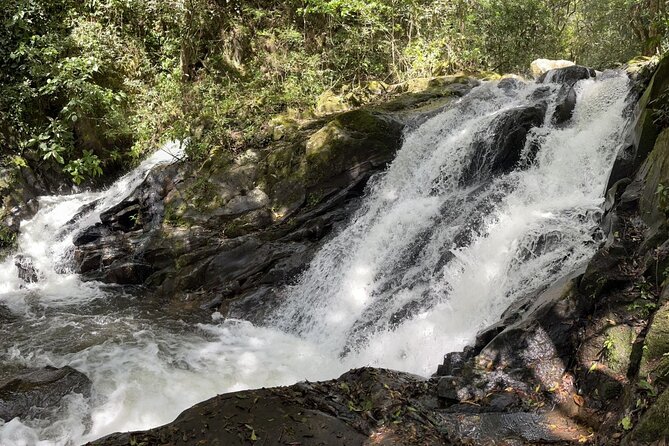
{"type": "Point", "coordinates": [626, 423]}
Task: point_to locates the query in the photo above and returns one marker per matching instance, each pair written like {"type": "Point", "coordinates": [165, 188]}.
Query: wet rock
{"type": "Point", "coordinates": [237, 212]}
{"type": "Point", "coordinates": [27, 270]}
{"type": "Point", "coordinates": [540, 93]}
{"type": "Point", "coordinates": [565, 105]}
{"type": "Point", "coordinates": [603, 270]}
{"type": "Point", "coordinates": [90, 234]}
{"type": "Point", "coordinates": [254, 306]}
{"type": "Point", "coordinates": [511, 429]}
{"type": "Point", "coordinates": [122, 217]}
{"type": "Point", "coordinates": [503, 402]}
{"type": "Point", "coordinates": [6, 314]}
{"type": "Point", "coordinates": [567, 75]}
{"type": "Point", "coordinates": [501, 152]}
{"type": "Point", "coordinates": [453, 364]}
{"type": "Point", "coordinates": [509, 83]}
{"type": "Point", "coordinates": [37, 392]}
{"type": "Point", "coordinates": [448, 387]}
{"type": "Point", "coordinates": [536, 348]}
{"type": "Point", "coordinates": [128, 273]}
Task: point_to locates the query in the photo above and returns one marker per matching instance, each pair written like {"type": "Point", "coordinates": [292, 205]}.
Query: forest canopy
{"type": "Point", "coordinates": [90, 85]}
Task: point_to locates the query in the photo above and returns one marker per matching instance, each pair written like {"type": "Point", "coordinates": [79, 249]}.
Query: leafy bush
{"type": "Point", "coordinates": [87, 86]}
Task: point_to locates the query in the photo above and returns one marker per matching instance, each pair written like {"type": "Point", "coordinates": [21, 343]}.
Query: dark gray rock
{"type": "Point", "coordinates": [90, 234]}
{"type": "Point", "coordinates": [509, 84]}
{"type": "Point", "coordinates": [565, 105]}
{"type": "Point", "coordinates": [27, 270]}
{"type": "Point", "coordinates": [233, 240]}
{"type": "Point", "coordinates": [128, 273]}
{"type": "Point", "coordinates": [567, 75]}
{"type": "Point", "coordinates": [347, 411]}
{"type": "Point", "coordinates": [501, 152]}
{"type": "Point", "coordinates": [448, 387]}
{"type": "Point", "coordinates": [38, 392]}
{"type": "Point", "coordinates": [454, 363]}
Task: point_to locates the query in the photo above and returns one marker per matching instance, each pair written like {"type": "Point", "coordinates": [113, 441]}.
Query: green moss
{"type": "Point", "coordinates": [338, 146]}
{"type": "Point", "coordinates": [656, 344]}
{"type": "Point", "coordinates": [174, 214]}
{"type": "Point", "coordinates": [7, 237]}
{"type": "Point", "coordinates": [661, 371]}
{"type": "Point", "coordinates": [7, 240]}
{"type": "Point", "coordinates": [330, 102]}
{"type": "Point", "coordinates": [618, 346]}
{"type": "Point", "coordinates": [655, 173]}
{"type": "Point", "coordinates": [653, 424]}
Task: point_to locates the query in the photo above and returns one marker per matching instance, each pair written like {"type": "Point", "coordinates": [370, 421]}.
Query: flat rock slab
{"type": "Point", "coordinates": [259, 416]}
{"type": "Point", "coordinates": [35, 392]}
{"type": "Point", "coordinates": [363, 407]}
{"type": "Point", "coordinates": [518, 428]}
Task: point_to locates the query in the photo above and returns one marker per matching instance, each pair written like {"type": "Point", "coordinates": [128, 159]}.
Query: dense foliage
{"type": "Point", "coordinates": [87, 85]}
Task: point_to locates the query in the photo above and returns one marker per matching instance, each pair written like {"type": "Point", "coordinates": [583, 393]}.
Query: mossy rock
{"type": "Point", "coordinates": [618, 344]}
{"type": "Point", "coordinates": [329, 102]}
{"type": "Point", "coordinates": [350, 139]}
{"type": "Point", "coordinates": [376, 87]}
{"type": "Point", "coordinates": [653, 424]}
{"type": "Point", "coordinates": [660, 81]}
{"type": "Point", "coordinates": [283, 127]}
{"type": "Point", "coordinates": [653, 173]}
{"type": "Point", "coordinates": [638, 64]}
{"type": "Point", "coordinates": [8, 239]}
{"type": "Point", "coordinates": [656, 344]}
{"type": "Point", "coordinates": [646, 132]}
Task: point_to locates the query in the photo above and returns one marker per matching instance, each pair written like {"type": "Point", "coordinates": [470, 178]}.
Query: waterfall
{"type": "Point", "coordinates": [432, 257]}
{"type": "Point", "coordinates": [442, 244]}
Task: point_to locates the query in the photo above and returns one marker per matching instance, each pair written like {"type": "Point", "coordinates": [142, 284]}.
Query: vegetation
{"type": "Point", "coordinates": [88, 86]}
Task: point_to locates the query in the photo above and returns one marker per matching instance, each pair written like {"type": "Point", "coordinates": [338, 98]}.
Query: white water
{"type": "Point", "coordinates": [423, 265]}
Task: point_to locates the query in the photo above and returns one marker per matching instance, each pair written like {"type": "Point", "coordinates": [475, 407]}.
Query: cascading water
{"type": "Point", "coordinates": [436, 251]}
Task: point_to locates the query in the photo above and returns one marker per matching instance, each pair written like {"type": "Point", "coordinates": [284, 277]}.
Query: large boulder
{"type": "Point", "coordinates": [653, 178]}
{"type": "Point", "coordinates": [567, 75]}
{"type": "Point", "coordinates": [656, 344]}
{"type": "Point", "coordinates": [541, 66]}
{"type": "Point", "coordinates": [362, 407]}
{"type": "Point", "coordinates": [350, 142]}
{"type": "Point", "coordinates": [498, 150]}
{"type": "Point", "coordinates": [239, 226]}
{"type": "Point", "coordinates": [38, 392]}
{"type": "Point", "coordinates": [645, 128]}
